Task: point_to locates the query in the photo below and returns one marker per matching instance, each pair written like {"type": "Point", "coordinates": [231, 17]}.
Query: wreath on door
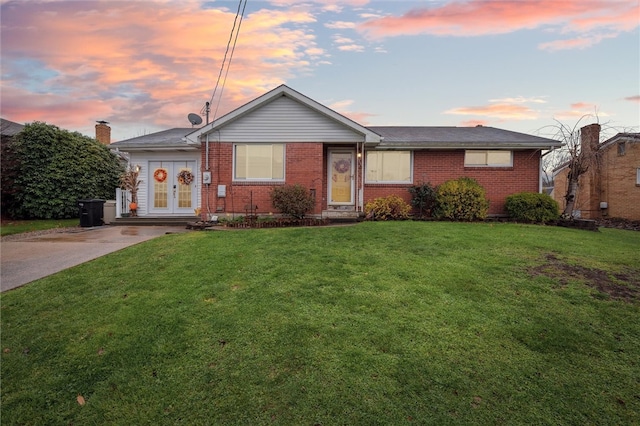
{"type": "Point", "coordinates": [342, 166]}
{"type": "Point", "coordinates": [160, 175]}
{"type": "Point", "coordinates": [185, 177]}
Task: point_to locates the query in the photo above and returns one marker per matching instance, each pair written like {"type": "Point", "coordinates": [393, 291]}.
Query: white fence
{"type": "Point", "coordinates": [123, 198]}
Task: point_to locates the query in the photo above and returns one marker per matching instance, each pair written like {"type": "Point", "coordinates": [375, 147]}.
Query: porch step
{"type": "Point", "coordinates": [336, 216]}
{"type": "Point", "coordinates": [155, 221]}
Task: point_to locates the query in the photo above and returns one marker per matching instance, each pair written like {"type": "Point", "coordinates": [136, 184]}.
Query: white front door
{"type": "Point", "coordinates": [169, 193]}
{"type": "Point", "coordinates": [341, 177]}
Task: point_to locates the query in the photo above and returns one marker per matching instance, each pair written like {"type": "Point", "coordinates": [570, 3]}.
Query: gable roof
{"type": "Point", "coordinates": [10, 128]}
{"type": "Point", "coordinates": [284, 90]}
{"type": "Point", "coordinates": [171, 139]}
{"type": "Point", "coordinates": [627, 137]}
{"type": "Point", "coordinates": [479, 137]}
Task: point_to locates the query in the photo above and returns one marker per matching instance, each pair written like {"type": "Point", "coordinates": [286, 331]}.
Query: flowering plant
{"type": "Point", "coordinates": [185, 177]}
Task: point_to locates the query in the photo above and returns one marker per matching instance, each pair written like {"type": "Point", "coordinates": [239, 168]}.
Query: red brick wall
{"type": "Point", "coordinates": [437, 167]}
{"type": "Point", "coordinates": [304, 165]}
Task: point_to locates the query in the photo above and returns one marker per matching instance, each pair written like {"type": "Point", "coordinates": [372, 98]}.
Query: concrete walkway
{"type": "Point", "coordinates": [23, 260]}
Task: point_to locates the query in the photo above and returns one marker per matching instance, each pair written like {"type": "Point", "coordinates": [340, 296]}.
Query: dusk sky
{"type": "Point", "coordinates": [144, 66]}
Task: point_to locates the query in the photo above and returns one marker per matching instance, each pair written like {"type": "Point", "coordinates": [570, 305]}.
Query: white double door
{"type": "Point", "coordinates": [167, 195]}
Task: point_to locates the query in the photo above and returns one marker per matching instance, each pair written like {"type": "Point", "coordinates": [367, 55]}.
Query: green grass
{"type": "Point", "coordinates": [379, 323]}
{"type": "Point", "coordinates": [10, 227]}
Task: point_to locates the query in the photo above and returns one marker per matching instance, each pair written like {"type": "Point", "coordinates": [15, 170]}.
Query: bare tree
{"type": "Point", "coordinates": [579, 153]}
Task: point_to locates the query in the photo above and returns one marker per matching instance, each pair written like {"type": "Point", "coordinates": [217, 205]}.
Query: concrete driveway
{"type": "Point", "coordinates": [29, 257]}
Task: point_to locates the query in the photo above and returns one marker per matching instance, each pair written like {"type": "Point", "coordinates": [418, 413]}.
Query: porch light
{"type": "Point", "coordinates": [137, 168]}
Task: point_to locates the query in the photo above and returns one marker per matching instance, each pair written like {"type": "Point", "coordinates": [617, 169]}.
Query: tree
{"type": "Point", "coordinates": [579, 154]}
{"type": "Point", "coordinates": [54, 169]}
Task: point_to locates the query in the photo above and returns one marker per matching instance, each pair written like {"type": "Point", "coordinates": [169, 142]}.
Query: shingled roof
{"type": "Point", "coordinates": [174, 139]}
{"type": "Point", "coordinates": [479, 137]}
{"type": "Point", "coordinates": [10, 128]}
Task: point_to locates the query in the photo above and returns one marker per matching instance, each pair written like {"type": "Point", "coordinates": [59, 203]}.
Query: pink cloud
{"type": "Point", "coordinates": [141, 63]}
{"type": "Point", "coordinates": [633, 98]}
{"type": "Point", "coordinates": [504, 111]}
{"type": "Point", "coordinates": [593, 19]}
{"type": "Point", "coordinates": [474, 123]}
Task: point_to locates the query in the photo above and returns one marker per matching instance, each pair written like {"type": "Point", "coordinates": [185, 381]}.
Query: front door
{"type": "Point", "coordinates": [173, 187]}
{"type": "Point", "coordinates": [341, 178]}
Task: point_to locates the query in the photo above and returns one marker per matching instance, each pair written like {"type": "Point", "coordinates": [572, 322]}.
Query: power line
{"type": "Point", "coordinates": [235, 21]}
{"type": "Point", "coordinates": [233, 49]}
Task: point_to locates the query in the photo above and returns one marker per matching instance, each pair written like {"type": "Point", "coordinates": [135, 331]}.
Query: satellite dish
{"type": "Point", "coordinates": [194, 119]}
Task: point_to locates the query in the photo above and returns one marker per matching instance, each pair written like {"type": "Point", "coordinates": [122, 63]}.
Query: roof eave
{"type": "Point", "coordinates": [440, 146]}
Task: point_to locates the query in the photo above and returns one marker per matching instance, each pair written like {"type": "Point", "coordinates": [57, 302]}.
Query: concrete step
{"type": "Point", "coordinates": [154, 221]}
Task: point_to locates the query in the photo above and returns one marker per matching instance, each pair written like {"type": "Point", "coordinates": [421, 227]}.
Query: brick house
{"type": "Point", "coordinates": [611, 186]}
{"type": "Point", "coordinates": [284, 137]}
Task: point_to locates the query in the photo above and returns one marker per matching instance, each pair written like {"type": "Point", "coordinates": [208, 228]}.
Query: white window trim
{"type": "Point", "coordinates": [488, 164]}
{"type": "Point", "coordinates": [284, 164]}
{"type": "Point", "coordinates": [638, 176]}
{"type": "Point", "coordinates": [394, 182]}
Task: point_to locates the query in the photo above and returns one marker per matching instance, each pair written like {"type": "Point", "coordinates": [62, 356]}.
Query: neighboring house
{"type": "Point", "coordinates": [611, 186]}
{"type": "Point", "coordinates": [9, 129]}
{"type": "Point", "coordinates": [284, 137]}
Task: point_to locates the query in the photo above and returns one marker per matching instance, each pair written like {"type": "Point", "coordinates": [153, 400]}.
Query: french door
{"type": "Point", "coordinates": [170, 191]}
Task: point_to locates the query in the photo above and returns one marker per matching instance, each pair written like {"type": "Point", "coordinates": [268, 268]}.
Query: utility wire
{"type": "Point", "coordinates": [233, 49]}
{"type": "Point", "coordinates": [227, 49]}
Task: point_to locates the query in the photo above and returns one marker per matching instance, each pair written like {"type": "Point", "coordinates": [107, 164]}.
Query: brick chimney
{"type": "Point", "coordinates": [103, 132]}
{"type": "Point", "coordinates": [590, 138]}
{"type": "Point", "coordinates": [592, 180]}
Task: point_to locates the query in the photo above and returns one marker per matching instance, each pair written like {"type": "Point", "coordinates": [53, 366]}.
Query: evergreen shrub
{"type": "Point", "coordinates": [54, 168]}
{"type": "Point", "coordinates": [292, 200]}
{"type": "Point", "coordinates": [461, 199]}
{"type": "Point", "coordinates": [423, 198]}
{"type": "Point", "coordinates": [532, 207]}
{"type": "Point", "coordinates": [391, 207]}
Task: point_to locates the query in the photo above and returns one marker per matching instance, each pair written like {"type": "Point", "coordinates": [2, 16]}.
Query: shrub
{"type": "Point", "coordinates": [292, 200]}
{"type": "Point", "coordinates": [461, 199]}
{"type": "Point", "coordinates": [532, 207]}
{"type": "Point", "coordinates": [423, 198]}
{"type": "Point", "coordinates": [387, 208]}
{"type": "Point", "coordinates": [54, 168]}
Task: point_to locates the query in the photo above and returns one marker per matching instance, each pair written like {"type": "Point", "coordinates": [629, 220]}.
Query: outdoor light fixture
{"type": "Point", "coordinates": [137, 168]}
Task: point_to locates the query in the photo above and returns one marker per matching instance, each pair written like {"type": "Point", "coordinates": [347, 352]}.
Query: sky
{"type": "Point", "coordinates": [143, 66]}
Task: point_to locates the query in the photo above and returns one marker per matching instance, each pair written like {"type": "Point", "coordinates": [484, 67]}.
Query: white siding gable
{"type": "Point", "coordinates": [286, 120]}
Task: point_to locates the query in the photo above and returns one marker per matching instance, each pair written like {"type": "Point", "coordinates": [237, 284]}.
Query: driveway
{"type": "Point", "coordinates": [28, 257]}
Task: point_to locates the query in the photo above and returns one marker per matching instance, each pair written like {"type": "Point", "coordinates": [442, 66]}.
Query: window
{"type": "Point", "coordinates": [259, 162]}
{"type": "Point", "coordinates": [477, 158]}
{"type": "Point", "coordinates": [638, 176]}
{"type": "Point", "coordinates": [388, 166]}
{"type": "Point", "coordinates": [621, 148]}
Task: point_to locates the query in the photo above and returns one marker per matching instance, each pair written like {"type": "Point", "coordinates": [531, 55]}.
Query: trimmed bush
{"type": "Point", "coordinates": [423, 198]}
{"type": "Point", "coordinates": [292, 200]}
{"type": "Point", "coordinates": [54, 168]}
{"type": "Point", "coordinates": [532, 207]}
{"type": "Point", "coordinates": [461, 199]}
{"type": "Point", "coordinates": [387, 208]}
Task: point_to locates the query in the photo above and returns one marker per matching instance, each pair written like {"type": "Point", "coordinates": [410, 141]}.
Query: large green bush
{"type": "Point", "coordinates": [54, 168]}
{"type": "Point", "coordinates": [532, 207]}
{"type": "Point", "coordinates": [461, 199]}
{"type": "Point", "coordinates": [391, 207]}
{"type": "Point", "coordinates": [292, 200]}
{"type": "Point", "coordinates": [423, 198]}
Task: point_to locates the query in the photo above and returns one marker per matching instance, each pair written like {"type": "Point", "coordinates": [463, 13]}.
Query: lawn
{"type": "Point", "coordinates": [379, 323]}
{"type": "Point", "coordinates": [10, 227]}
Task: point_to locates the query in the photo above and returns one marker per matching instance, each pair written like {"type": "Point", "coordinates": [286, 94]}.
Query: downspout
{"type": "Point", "coordinates": [361, 161]}
{"type": "Point", "coordinates": [206, 161]}
{"type": "Point", "coordinates": [540, 171]}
